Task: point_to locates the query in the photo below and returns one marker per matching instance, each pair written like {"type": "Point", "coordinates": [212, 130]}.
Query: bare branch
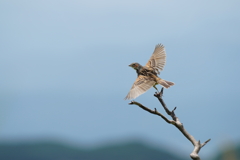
{"type": "Point", "coordinates": [153, 112]}
{"type": "Point", "coordinates": [176, 122]}
{"type": "Point", "coordinates": [170, 113]}
{"type": "Point", "coordinates": [205, 143]}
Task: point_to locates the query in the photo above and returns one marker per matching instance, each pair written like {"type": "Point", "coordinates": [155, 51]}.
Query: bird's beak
{"type": "Point", "coordinates": [129, 65]}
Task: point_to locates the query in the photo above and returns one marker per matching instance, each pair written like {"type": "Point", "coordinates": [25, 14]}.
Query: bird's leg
{"type": "Point", "coordinates": [155, 87]}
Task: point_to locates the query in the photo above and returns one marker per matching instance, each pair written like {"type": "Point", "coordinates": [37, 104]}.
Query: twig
{"type": "Point", "coordinates": [152, 111]}
{"type": "Point", "coordinates": [176, 122]}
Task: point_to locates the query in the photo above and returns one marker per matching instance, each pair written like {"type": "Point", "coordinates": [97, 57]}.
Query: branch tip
{"type": "Point", "coordinates": [174, 109]}
{"type": "Point", "coordinates": [132, 102]}
{"type": "Point", "coordinates": [205, 142]}
{"type": "Point", "coordinates": [199, 142]}
{"type": "Point", "coordinates": [208, 140]}
{"type": "Point", "coordinates": [162, 90]}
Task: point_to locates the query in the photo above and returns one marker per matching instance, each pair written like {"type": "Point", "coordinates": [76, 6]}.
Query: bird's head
{"type": "Point", "coordinates": [135, 66]}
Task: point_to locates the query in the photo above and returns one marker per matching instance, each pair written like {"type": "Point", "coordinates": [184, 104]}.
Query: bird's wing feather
{"type": "Point", "coordinates": [158, 59]}
{"type": "Point", "coordinates": [140, 86]}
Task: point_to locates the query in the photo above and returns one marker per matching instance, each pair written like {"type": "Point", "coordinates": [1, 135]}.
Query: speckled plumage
{"type": "Point", "coordinates": [147, 75]}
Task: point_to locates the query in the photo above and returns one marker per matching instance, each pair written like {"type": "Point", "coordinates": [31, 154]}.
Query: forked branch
{"type": "Point", "coordinates": [176, 122]}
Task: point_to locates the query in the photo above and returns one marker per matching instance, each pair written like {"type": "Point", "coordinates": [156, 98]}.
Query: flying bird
{"type": "Point", "coordinates": [147, 75]}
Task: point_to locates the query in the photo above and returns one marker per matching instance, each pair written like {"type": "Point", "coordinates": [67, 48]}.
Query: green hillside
{"type": "Point", "coordinates": [230, 153]}
{"type": "Point", "coordinates": [123, 151]}
{"type": "Point", "coordinates": [55, 151]}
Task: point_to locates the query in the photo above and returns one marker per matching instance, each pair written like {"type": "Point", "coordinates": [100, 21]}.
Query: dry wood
{"type": "Point", "coordinates": [176, 122]}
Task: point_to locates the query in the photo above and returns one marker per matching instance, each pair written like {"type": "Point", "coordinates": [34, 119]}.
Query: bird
{"type": "Point", "coordinates": [148, 74]}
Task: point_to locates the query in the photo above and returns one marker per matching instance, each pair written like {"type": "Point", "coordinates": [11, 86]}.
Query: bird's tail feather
{"type": "Point", "coordinates": [164, 83]}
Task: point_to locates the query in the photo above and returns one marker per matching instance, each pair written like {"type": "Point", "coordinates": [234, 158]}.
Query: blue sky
{"type": "Point", "coordinates": [64, 70]}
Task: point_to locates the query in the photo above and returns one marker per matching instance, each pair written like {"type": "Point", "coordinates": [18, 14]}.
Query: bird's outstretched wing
{"type": "Point", "coordinates": [141, 85]}
{"type": "Point", "coordinates": [158, 59]}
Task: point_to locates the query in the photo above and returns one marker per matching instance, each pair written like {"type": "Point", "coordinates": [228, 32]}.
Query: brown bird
{"type": "Point", "coordinates": [147, 75]}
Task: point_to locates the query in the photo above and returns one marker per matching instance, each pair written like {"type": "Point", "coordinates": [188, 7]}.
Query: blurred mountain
{"type": "Point", "coordinates": [230, 152]}
{"type": "Point", "coordinates": [118, 151]}
{"type": "Point", "coordinates": [57, 151]}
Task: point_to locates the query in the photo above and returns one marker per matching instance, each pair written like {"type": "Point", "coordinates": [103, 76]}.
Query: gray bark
{"type": "Point", "coordinates": [176, 122]}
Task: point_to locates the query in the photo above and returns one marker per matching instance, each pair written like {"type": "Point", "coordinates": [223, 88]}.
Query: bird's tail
{"type": "Point", "coordinates": [164, 83]}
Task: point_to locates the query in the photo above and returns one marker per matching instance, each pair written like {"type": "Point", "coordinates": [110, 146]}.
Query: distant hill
{"type": "Point", "coordinates": [119, 151]}
{"type": "Point", "coordinates": [57, 151]}
{"type": "Point", "coordinates": [230, 153]}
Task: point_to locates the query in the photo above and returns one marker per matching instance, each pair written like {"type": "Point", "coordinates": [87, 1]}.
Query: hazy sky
{"type": "Point", "coordinates": [64, 70]}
